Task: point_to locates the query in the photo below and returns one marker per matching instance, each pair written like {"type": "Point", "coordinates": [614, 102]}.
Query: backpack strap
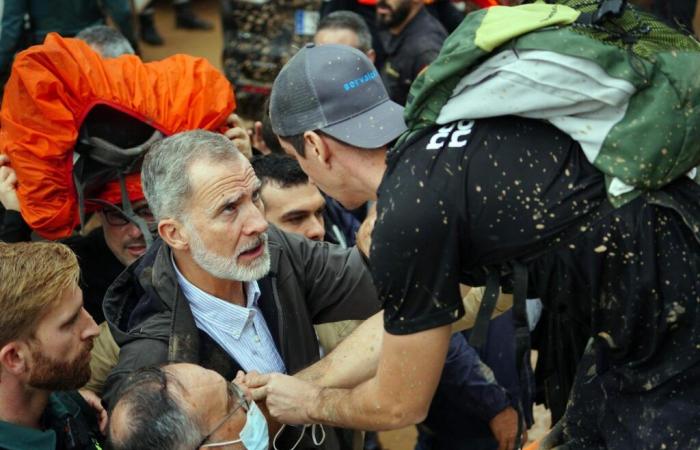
{"type": "Point", "coordinates": [128, 210]}
{"type": "Point", "coordinates": [480, 330]}
{"type": "Point", "coordinates": [113, 156]}
{"type": "Point", "coordinates": [522, 343]}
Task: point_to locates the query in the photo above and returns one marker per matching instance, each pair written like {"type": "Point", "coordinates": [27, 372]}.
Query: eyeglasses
{"type": "Point", "coordinates": [116, 217]}
{"type": "Point", "coordinates": [235, 395]}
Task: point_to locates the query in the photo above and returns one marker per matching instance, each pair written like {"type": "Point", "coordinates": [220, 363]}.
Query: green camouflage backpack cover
{"type": "Point", "coordinates": [626, 87]}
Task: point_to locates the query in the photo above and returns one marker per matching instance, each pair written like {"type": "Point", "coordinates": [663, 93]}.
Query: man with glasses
{"type": "Point", "coordinates": [102, 253]}
{"type": "Point", "coordinates": [184, 406]}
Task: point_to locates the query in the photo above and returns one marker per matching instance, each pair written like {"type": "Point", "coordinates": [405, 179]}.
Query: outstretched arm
{"type": "Point", "coordinates": [353, 361]}
{"type": "Point", "coordinates": [398, 394]}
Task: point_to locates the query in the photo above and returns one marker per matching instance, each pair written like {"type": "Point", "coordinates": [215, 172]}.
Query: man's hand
{"type": "Point", "coordinates": [504, 427]}
{"type": "Point", "coordinates": [288, 399]}
{"type": "Point", "coordinates": [8, 185]}
{"type": "Point", "coordinates": [95, 403]}
{"type": "Point", "coordinates": [258, 140]}
{"type": "Point", "coordinates": [239, 135]}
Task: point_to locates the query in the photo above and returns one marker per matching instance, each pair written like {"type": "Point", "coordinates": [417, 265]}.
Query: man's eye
{"type": "Point", "coordinates": [256, 195]}
{"type": "Point", "coordinates": [231, 207]}
{"type": "Point", "coordinates": [296, 220]}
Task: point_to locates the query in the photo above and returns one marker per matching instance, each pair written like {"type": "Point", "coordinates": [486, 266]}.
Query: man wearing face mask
{"type": "Point", "coordinates": [184, 406]}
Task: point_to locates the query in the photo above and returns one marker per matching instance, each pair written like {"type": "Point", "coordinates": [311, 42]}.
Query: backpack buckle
{"type": "Point", "coordinates": [609, 8]}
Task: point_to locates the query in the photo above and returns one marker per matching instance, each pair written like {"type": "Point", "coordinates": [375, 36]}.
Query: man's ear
{"type": "Point", "coordinates": [372, 55]}
{"type": "Point", "coordinates": [315, 146]}
{"type": "Point", "coordinates": [173, 233]}
{"type": "Point", "coordinates": [13, 357]}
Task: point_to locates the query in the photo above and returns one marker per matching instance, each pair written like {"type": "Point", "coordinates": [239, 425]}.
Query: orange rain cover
{"type": "Point", "coordinates": [52, 88]}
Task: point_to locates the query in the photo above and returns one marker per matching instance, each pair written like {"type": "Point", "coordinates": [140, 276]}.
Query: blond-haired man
{"type": "Point", "coordinates": [45, 341]}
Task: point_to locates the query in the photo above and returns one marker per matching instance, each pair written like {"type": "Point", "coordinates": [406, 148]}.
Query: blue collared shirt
{"type": "Point", "coordinates": [242, 332]}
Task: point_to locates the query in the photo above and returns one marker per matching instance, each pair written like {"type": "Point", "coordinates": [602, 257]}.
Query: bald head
{"type": "Point", "coordinates": [174, 407]}
{"type": "Point", "coordinates": [149, 414]}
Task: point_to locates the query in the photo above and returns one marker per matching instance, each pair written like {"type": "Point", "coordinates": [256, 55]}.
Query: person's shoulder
{"type": "Point", "coordinates": [67, 412]}
{"type": "Point", "coordinates": [427, 29]}
{"type": "Point", "coordinates": [282, 242]}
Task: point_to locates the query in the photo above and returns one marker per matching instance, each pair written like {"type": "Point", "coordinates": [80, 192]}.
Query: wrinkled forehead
{"type": "Point", "coordinates": [192, 376]}
{"type": "Point", "coordinates": [207, 176]}
{"type": "Point", "coordinates": [196, 388]}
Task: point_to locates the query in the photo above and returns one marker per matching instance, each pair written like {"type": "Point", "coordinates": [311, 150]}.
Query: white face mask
{"type": "Point", "coordinates": [314, 427]}
{"type": "Point", "coordinates": [253, 435]}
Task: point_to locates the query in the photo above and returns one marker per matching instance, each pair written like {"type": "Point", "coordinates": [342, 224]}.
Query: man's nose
{"type": "Point", "coordinates": [315, 230]}
{"type": "Point", "coordinates": [91, 330]}
{"type": "Point", "coordinates": [133, 230]}
{"type": "Point", "coordinates": [255, 222]}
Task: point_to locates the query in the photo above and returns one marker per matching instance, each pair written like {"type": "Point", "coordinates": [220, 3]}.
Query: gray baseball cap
{"type": "Point", "coordinates": [335, 89]}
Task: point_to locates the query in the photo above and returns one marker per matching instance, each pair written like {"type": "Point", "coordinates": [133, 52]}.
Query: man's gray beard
{"type": "Point", "coordinates": [226, 268]}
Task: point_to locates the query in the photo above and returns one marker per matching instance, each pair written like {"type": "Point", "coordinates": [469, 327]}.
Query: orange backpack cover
{"type": "Point", "coordinates": [52, 88]}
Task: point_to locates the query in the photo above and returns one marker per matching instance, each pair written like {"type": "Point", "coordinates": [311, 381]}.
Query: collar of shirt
{"type": "Point", "coordinates": [225, 316]}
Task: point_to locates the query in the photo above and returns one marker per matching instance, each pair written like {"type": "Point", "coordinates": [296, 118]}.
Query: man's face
{"type": "Point", "coordinates": [60, 347]}
{"type": "Point", "coordinates": [325, 177]}
{"type": "Point", "coordinates": [123, 237]}
{"type": "Point", "coordinates": [224, 223]}
{"type": "Point", "coordinates": [295, 209]}
{"type": "Point", "coordinates": [392, 13]}
{"type": "Point", "coordinates": [209, 399]}
{"type": "Point", "coordinates": [341, 36]}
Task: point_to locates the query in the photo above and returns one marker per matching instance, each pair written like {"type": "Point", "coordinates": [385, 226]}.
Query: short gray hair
{"type": "Point", "coordinates": [165, 172]}
{"type": "Point", "coordinates": [348, 20]}
{"type": "Point", "coordinates": [109, 42]}
{"type": "Point", "coordinates": [150, 416]}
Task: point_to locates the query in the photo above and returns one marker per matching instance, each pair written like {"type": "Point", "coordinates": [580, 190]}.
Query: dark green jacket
{"type": "Point", "coordinates": [69, 424]}
{"type": "Point", "coordinates": [66, 17]}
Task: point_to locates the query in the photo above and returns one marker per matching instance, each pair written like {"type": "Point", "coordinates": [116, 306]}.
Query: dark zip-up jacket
{"type": "Point", "coordinates": [309, 282]}
{"type": "Point", "coordinates": [66, 17]}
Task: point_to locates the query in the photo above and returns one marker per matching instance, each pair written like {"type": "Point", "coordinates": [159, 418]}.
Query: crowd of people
{"type": "Point", "coordinates": [383, 248]}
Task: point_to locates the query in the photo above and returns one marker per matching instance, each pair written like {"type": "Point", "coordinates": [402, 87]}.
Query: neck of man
{"type": "Point", "coordinates": [396, 30]}
{"type": "Point", "coordinates": [228, 290]}
{"type": "Point", "coordinates": [368, 172]}
{"type": "Point", "coordinates": [21, 405]}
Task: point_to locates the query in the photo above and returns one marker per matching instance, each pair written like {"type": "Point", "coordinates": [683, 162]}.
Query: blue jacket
{"type": "Point", "coordinates": [474, 388]}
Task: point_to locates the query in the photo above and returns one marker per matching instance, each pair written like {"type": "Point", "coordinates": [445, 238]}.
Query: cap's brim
{"type": "Point", "coordinates": [373, 128]}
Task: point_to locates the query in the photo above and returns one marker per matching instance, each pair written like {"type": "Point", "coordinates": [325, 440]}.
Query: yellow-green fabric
{"type": "Point", "coordinates": [501, 23]}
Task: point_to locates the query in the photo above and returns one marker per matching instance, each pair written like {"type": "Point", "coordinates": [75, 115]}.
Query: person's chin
{"type": "Point", "coordinates": [352, 203]}
{"type": "Point", "coordinates": [134, 252]}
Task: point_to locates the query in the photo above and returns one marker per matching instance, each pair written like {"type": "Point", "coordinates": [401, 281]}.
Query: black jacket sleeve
{"type": "Point", "coordinates": [14, 228]}
{"type": "Point", "coordinates": [337, 283]}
